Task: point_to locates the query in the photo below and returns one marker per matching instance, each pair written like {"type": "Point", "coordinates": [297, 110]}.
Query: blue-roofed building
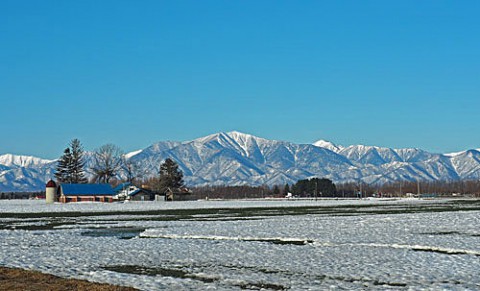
{"type": "Point", "coordinates": [85, 193]}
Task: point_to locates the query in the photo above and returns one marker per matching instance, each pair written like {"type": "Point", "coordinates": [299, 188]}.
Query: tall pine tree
{"type": "Point", "coordinates": [70, 165]}
{"type": "Point", "coordinates": [77, 163]}
{"type": "Point", "coordinates": [62, 173]}
{"type": "Point", "coordinates": [276, 190]}
{"type": "Point", "coordinates": [170, 175]}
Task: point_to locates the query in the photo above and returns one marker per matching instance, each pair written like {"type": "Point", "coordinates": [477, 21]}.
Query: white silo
{"type": "Point", "coordinates": [50, 192]}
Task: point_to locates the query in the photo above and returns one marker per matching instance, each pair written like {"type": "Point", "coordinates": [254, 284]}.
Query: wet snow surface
{"type": "Point", "coordinates": [253, 245]}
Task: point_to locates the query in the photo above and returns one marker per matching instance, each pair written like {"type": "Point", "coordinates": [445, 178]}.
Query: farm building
{"type": "Point", "coordinates": [85, 192]}
{"type": "Point", "coordinates": [140, 195]}
{"type": "Point", "coordinates": [128, 191]}
{"type": "Point", "coordinates": [178, 194]}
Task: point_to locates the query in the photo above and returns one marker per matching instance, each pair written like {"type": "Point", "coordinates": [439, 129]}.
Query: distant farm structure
{"type": "Point", "coordinates": [130, 192]}
{"type": "Point", "coordinates": [178, 194]}
{"type": "Point", "coordinates": [66, 193]}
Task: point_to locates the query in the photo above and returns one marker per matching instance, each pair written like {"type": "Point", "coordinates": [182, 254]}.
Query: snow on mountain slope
{"type": "Point", "coordinates": [370, 154]}
{"type": "Point", "coordinates": [414, 155]}
{"type": "Point", "coordinates": [235, 158]}
{"type": "Point", "coordinates": [131, 154]}
{"type": "Point", "coordinates": [15, 161]}
{"type": "Point", "coordinates": [25, 179]}
{"type": "Point", "coordinates": [467, 164]}
{"type": "Point", "coordinates": [437, 168]}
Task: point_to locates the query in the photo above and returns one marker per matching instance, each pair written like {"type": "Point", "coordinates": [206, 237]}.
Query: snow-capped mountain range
{"type": "Point", "coordinates": [236, 158]}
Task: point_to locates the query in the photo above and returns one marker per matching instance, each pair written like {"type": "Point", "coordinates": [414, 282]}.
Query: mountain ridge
{"type": "Point", "coordinates": [235, 158]}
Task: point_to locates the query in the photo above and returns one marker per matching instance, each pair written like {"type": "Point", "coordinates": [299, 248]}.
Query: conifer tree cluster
{"type": "Point", "coordinates": [314, 187]}
{"type": "Point", "coordinates": [70, 165]}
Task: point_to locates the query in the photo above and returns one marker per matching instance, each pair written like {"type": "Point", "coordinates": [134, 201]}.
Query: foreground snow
{"type": "Point", "coordinates": [242, 248]}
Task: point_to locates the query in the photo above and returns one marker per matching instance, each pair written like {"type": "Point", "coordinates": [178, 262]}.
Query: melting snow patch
{"type": "Point", "coordinates": [274, 240]}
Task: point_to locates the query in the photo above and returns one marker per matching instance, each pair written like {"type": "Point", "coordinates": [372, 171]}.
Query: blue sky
{"type": "Point", "coordinates": [387, 73]}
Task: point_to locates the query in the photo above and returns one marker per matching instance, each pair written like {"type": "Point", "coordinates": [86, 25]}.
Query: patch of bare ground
{"type": "Point", "coordinates": [25, 280]}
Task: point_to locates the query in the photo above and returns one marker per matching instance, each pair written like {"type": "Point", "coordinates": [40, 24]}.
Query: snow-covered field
{"type": "Point", "coordinates": [33, 206]}
{"type": "Point", "coordinates": [234, 245]}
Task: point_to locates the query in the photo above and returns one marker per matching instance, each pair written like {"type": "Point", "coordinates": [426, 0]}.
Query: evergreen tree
{"type": "Point", "coordinates": [170, 176]}
{"type": "Point", "coordinates": [62, 173]}
{"type": "Point", "coordinates": [276, 190]}
{"type": "Point", "coordinates": [286, 190]}
{"type": "Point", "coordinates": [314, 187]}
{"type": "Point", "coordinates": [325, 187]}
{"type": "Point", "coordinates": [77, 163]}
{"type": "Point", "coordinates": [70, 165]}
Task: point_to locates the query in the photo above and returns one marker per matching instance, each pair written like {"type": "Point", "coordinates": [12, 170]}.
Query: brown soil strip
{"type": "Point", "coordinates": [24, 280]}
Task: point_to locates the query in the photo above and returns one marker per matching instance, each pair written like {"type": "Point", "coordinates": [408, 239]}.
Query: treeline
{"type": "Point", "coordinates": [304, 188]}
{"type": "Point", "coordinates": [232, 192]}
{"type": "Point", "coordinates": [314, 188]}
{"type": "Point", "coordinates": [21, 195]}
{"type": "Point", "coordinates": [326, 188]}
{"type": "Point", "coordinates": [401, 188]}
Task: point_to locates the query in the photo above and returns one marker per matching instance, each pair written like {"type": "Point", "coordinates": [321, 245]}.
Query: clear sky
{"type": "Point", "coordinates": [387, 73]}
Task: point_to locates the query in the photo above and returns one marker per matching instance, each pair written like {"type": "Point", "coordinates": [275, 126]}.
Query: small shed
{"type": "Point", "coordinates": [178, 194]}
{"type": "Point", "coordinates": [140, 195]}
{"type": "Point", "coordinates": [86, 193]}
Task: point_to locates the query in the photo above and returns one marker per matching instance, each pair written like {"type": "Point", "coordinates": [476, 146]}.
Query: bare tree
{"type": "Point", "coordinates": [133, 170]}
{"type": "Point", "coordinates": [107, 163]}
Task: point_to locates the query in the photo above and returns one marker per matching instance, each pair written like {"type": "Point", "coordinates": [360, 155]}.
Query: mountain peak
{"type": "Point", "coordinates": [237, 135]}
{"type": "Point", "coordinates": [234, 132]}
{"type": "Point", "coordinates": [454, 154]}
{"type": "Point", "coordinates": [231, 135]}
{"type": "Point", "coordinates": [328, 145]}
